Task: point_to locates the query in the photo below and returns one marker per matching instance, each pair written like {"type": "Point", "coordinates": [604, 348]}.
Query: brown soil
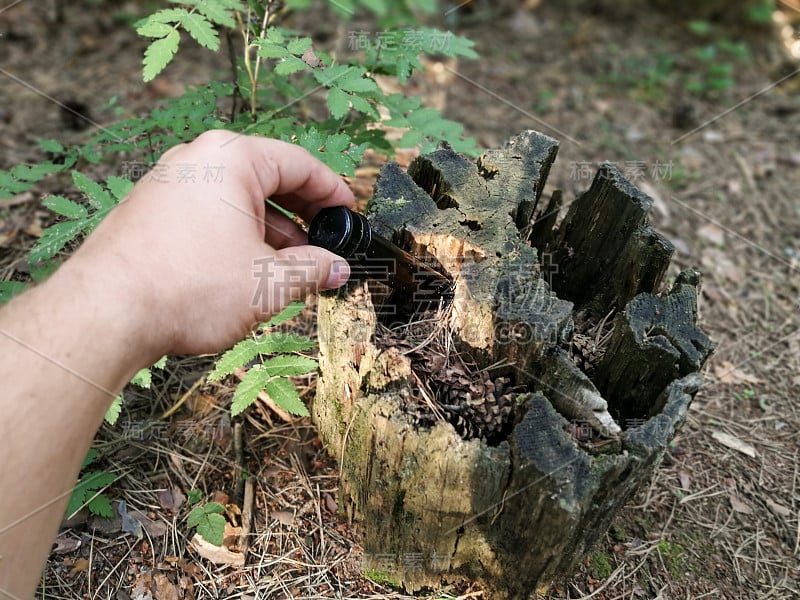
{"type": "Point", "coordinates": [722, 517]}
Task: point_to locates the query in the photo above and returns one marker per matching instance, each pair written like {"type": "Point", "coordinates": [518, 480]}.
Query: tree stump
{"type": "Point", "coordinates": [495, 437]}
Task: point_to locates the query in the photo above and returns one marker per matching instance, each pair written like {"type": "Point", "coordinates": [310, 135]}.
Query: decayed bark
{"type": "Point", "coordinates": [440, 501]}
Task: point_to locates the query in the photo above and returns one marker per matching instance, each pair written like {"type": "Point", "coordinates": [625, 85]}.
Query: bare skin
{"type": "Point", "coordinates": [169, 271]}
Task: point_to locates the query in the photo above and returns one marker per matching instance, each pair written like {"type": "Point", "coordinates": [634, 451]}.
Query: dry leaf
{"type": "Point", "coordinates": [739, 506]}
{"type": "Point", "coordinates": [65, 544]}
{"type": "Point", "coordinates": [18, 199]}
{"type": "Point", "coordinates": [155, 529]}
{"type": "Point", "coordinates": [712, 234]}
{"type": "Point", "coordinates": [734, 443]}
{"type": "Point", "coordinates": [171, 499]}
{"type": "Point", "coordinates": [778, 509]}
{"type": "Point", "coordinates": [330, 503]}
{"type": "Point", "coordinates": [727, 372]}
{"type": "Point", "coordinates": [686, 480]}
{"type": "Point", "coordinates": [80, 565]}
{"type": "Point", "coordinates": [230, 537]}
{"type": "Point", "coordinates": [216, 554]}
{"type": "Point", "coordinates": [165, 589]}
{"type": "Point", "coordinates": [283, 517]}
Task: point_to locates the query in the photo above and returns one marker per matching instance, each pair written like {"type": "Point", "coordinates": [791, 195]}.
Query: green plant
{"type": "Point", "coordinates": [208, 521]}
{"type": "Point", "coordinates": [269, 374]}
{"type": "Point", "coordinates": [89, 490]}
{"type": "Point", "coordinates": [599, 564]}
{"type": "Point", "coordinates": [717, 60]}
{"type": "Point", "coordinates": [671, 555]}
{"type": "Point", "coordinates": [276, 68]}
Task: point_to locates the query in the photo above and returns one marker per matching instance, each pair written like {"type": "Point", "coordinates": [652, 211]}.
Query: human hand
{"type": "Point", "coordinates": [202, 262]}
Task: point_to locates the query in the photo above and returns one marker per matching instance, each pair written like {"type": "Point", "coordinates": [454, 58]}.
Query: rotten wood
{"type": "Point", "coordinates": [515, 509]}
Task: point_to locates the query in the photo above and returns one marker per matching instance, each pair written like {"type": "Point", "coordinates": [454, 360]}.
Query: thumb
{"type": "Point", "coordinates": [298, 271]}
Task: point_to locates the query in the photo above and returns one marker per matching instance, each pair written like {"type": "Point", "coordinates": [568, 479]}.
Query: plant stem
{"type": "Point", "coordinates": [262, 34]}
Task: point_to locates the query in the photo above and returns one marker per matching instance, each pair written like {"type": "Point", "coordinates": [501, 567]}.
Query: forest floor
{"type": "Point", "coordinates": [720, 519]}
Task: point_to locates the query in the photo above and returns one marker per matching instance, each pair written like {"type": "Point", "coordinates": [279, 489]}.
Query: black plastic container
{"type": "Point", "coordinates": [371, 256]}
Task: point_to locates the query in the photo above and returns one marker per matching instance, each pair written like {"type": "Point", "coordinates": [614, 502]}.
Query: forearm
{"type": "Point", "coordinates": [66, 349]}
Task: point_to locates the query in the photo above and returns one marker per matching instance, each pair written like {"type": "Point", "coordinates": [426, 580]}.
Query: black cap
{"type": "Point", "coordinates": [341, 231]}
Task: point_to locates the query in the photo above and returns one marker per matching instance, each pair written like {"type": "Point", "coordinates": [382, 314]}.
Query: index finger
{"type": "Point", "coordinates": [289, 174]}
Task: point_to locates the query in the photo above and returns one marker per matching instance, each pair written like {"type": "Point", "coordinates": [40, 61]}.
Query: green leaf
{"type": "Point", "coordinates": [98, 197]}
{"type": "Point", "coordinates": [197, 513]}
{"type": "Point", "coordinates": [193, 496]}
{"type": "Point", "coordinates": [143, 378]}
{"type": "Point", "coordinates": [9, 289]}
{"type": "Point", "coordinates": [219, 13]}
{"type": "Point", "coordinates": [268, 50]}
{"type": "Point", "coordinates": [87, 487]}
{"type": "Point", "coordinates": [51, 146]}
{"type": "Point", "coordinates": [247, 391]}
{"type": "Point", "coordinates": [357, 84]}
{"type": "Point", "coordinates": [120, 186]}
{"type": "Point", "coordinates": [212, 528]}
{"type": "Point", "coordinates": [201, 30]}
{"type": "Point", "coordinates": [101, 506]}
{"type": "Point", "coordinates": [235, 358]}
{"type": "Point", "coordinates": [159, 54]}
{"type": "Point", "coordinates": [54, 239]}
{"type": "Point", "coordinates": [208, 520]}
{"type": "Point", "coordinates": [288, 365]}
{"type": "Point", "coordinates": [36, 172]}
{"type": "Point", "coordinates": [288, 313]}
{"type": "Point", "coordinates": [334, 73]}
{"type": "Point", "coordinates": [91, 456]}
{"type": "Point", "coordinates": [284, 393]}
{"type": "Point", "coordinates": [65, 207]}
{"type": "Point", "coordinates": [338, 102]}
{"type": "Point", "coordinates": [299, 45]}
{"type": "Point", "coordinates": [700, 27]}
{"type": "Point", "coordinates": [154, 29]}
{"type": "Point", "coordinates": [290, 64]}
{"type": "Point", "coordinates": [362, 105]}
{"type": "Point", "coordinates": [113, 412]}
{"type": "Point", "coordinates": [337, 143]}
{"type": "Point", "coordinates": [161, 362]}
{"type": "Point", "coordinates": [168, 15]}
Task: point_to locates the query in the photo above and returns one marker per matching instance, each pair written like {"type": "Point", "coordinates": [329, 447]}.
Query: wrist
{"type": "Point", "coordinates": [115, 303]}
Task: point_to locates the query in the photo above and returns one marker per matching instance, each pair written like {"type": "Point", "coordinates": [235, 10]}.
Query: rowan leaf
{"type": "Point", "coordinates": [201, 30]}
{"type": "Point", "coordinates": [65, 207]}
{"type": "Point", "coordinates": [113, 411]}
{"type": "Point", "coordinates": [284, 393]}
{"type": "Point", "coordinates": [235, 358]}
{"type": "Point", "coordinates": [53, 239]}
{"type": "Point", "coordinates": [159, 54]}
{"type": "Point", "coordinates": [288, 365]}
{"type": "Point", "coordinates": [220, 13]}
{"type": "Point", "coordinates": [248, 389]}
{"type": "Point", "coordinates": [154, 29]}
{"type": "Point", "coordinates": [288, 313]}
{"type": "Point", "coordinates": [51, 146]}
{"type": "Point", "coordinates": [120, 187]}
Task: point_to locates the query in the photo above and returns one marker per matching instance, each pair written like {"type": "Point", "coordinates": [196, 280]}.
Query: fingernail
{"type": "Point", "coordinates": [338, 275]}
